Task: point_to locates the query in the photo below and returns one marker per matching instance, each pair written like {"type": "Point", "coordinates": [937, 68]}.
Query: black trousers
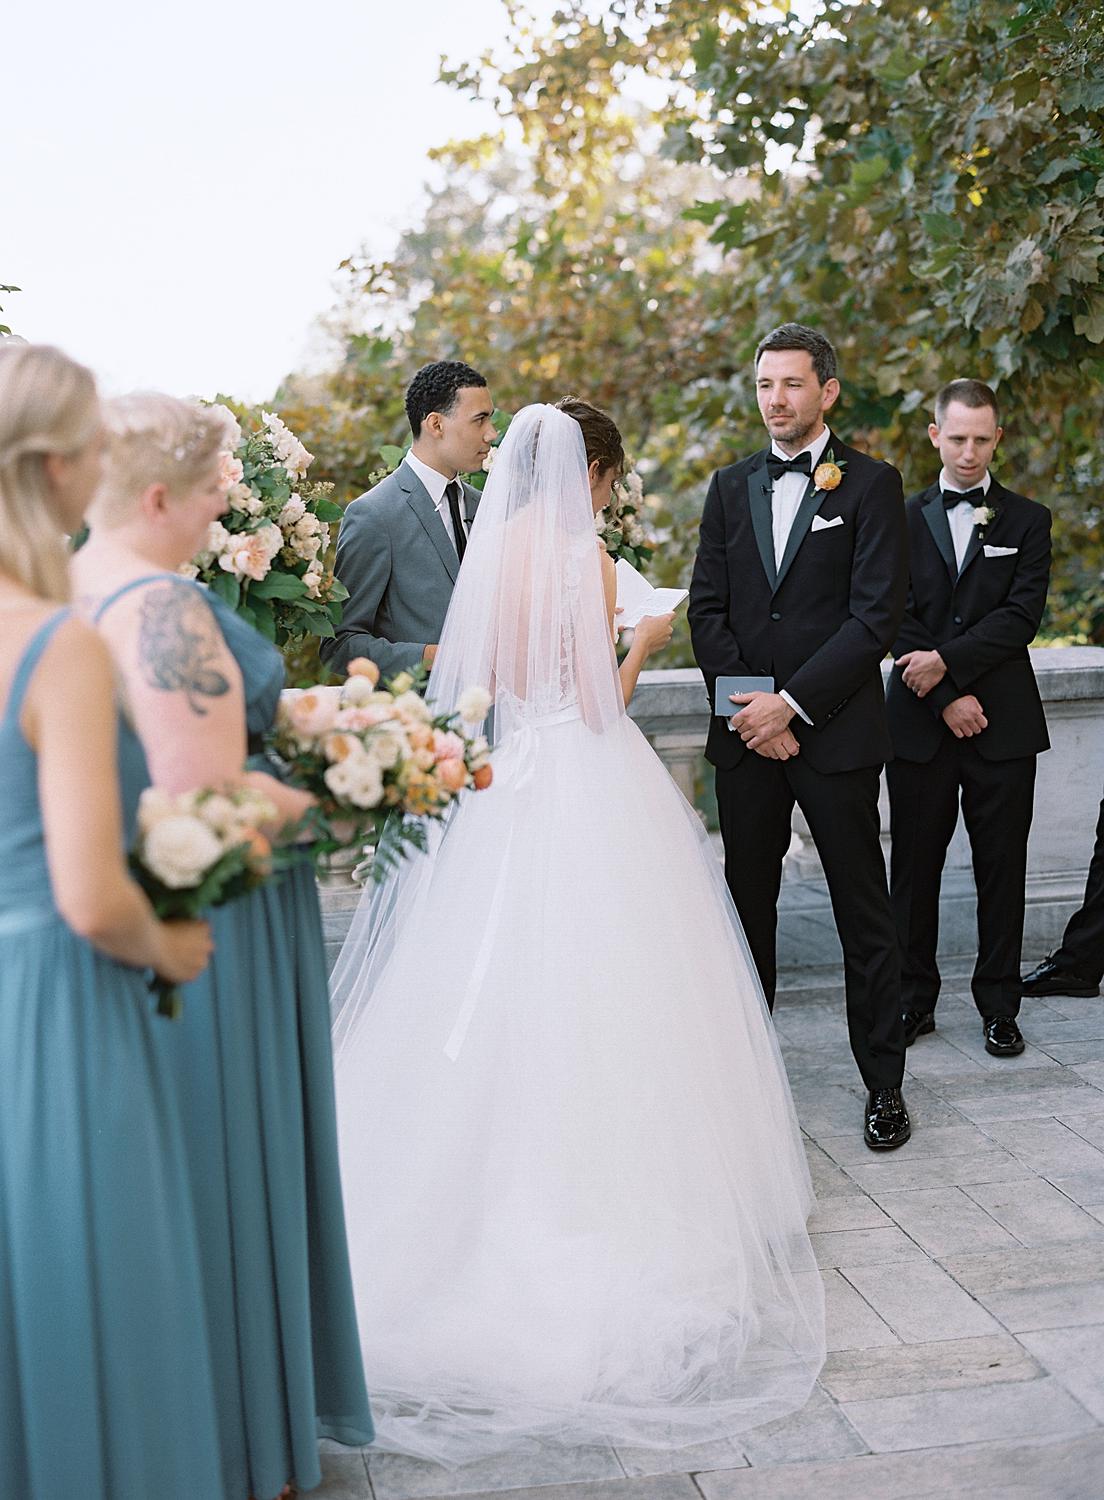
{"type": "Point", "coordinates": [1083, 940]}
{"type": "Point", "coordinates": [997, 800]}
{"type": "Point", "coordinates": [755, 800]}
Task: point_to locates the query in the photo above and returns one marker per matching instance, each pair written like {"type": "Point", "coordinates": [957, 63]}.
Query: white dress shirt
{"type": "Point", "coordinates": [960, 516]}
{"type": "Point", "coordinates": [435, 486]}
{"type": "Point", "coordinates": [787, 493]}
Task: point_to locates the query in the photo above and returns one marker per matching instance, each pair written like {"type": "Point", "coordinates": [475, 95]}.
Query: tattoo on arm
{"type": "Point", "coordinates": [175, 646]}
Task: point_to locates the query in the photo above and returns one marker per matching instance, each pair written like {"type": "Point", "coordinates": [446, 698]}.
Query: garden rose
{"type": "Point", "coordinates": [180, 850]}
{"type": "Point", "coordinates": [363, 666]}
{"type": "Point", "coordinates": [474, 705]}
{"type": "Point", "coordinates": [447, 746]}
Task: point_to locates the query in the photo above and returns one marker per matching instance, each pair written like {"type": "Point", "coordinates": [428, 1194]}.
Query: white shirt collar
{"type": "Point", "coordinates": [814, 449]}
{"type": "Point", "coordinates": [435, 483]}
{"type": "Point", "coordinates": [948, 484]}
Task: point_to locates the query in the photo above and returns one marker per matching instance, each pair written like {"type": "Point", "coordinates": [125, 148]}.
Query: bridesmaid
{"type": "Point", "coordinates": [253, 1051]}
{"type": "Point", "coordinates": [105, 1376]}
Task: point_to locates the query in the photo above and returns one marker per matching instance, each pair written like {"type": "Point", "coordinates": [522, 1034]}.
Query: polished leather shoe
{"type": "Point", "coordinates": [917, 1023]}
{"type": "Point", "coordinates": [887, 1120]}
{"type": "Point", "coordinates": [1050, 978]}
{"type": "Point", "coordinates": [1002, 1037]}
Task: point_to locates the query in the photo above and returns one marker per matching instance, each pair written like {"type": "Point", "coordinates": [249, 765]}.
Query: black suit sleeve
{"type": "Point", "coordinates": [914, 635]}
{"type": "Point", "coordinates": [879, 584]}
{"type": "Point", "coordinates": [716, 649]}
{"type": "Point", "coordinates": [1005, 632]}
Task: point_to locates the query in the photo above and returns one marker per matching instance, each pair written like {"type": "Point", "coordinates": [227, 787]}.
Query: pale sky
{"type": "Point", "coordinates": [181, 181]}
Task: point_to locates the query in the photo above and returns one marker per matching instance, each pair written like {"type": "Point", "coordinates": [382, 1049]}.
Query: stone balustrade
{"type": "Point", "coordinates": [672, 710]}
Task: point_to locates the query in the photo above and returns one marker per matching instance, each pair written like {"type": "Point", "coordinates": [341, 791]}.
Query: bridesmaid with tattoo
{"type": "Point", "coordinates": [252, 1049]}
{"type": "Point", "coordinates": [106, 1390]}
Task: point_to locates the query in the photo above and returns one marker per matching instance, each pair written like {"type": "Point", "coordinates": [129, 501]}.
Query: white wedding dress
{"type": "Point", "coordinates": [575, 1187]}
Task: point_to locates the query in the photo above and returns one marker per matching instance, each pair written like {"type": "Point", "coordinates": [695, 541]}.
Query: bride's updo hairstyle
{"type": "Point", "coordinates": [156, 439]}
{"type": "Point", "coordinates": [600, 434]}
{"type": "Point", "coordinates": [48, 407]}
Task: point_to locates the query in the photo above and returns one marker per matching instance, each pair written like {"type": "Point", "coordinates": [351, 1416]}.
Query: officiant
{"type": "Point", "coordinates": [964, 711]}
{"type": "Point", "coordinates": [401, 544]}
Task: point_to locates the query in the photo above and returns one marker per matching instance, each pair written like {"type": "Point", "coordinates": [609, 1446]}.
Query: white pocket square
{"type": "Point", "coordinates": [820, 524]}
{"type": "Point", "coordinates": [1000, 551]}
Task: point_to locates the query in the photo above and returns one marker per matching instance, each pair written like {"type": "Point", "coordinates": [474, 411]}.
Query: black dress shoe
{"type": "Point", "coordinates": [917, 1023]}
{"type": "Point", "coordinates": [1050, 978]}
{"type": "Point", "coordinates": [887, 1120]}
{"type": "Point", "coordinates": [1002, 1037]}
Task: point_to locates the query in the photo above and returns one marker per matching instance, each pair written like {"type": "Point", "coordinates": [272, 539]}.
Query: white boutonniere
{"type": "Point", "coordinates": [982, 516]}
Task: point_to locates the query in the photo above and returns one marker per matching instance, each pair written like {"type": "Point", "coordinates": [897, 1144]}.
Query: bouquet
{"type": "Point", "coordinates": [378, 760]}
{"type": "Point", "coordinates": [197, 850]}
{"type": "Point", "coordinates": [267, 554]}
{"type": "Point", "coordinates": [618, 524]}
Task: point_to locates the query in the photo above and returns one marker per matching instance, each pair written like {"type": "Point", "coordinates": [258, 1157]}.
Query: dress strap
{"type": "Point", "coordinates": [137, 583]}
{"type": "Point", "coordinates": [30, 658]}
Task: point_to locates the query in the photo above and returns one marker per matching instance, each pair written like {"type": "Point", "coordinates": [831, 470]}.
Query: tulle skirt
{"type": "Point", "coordinates": [575, 1187]}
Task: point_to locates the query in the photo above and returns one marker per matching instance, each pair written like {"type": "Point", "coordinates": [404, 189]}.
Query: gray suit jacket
{"type": "Point", "coordinates": [399, 565]}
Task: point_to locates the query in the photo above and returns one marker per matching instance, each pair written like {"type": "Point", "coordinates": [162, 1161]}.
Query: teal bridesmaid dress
{"type": "Point", "coordinates": [254, 1068]}
{"type": "Point", "coordinates": [106, 1388]}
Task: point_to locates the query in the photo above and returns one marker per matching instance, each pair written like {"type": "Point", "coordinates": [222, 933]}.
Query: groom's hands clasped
{"type": "Point", "coordinates": [764, 725]}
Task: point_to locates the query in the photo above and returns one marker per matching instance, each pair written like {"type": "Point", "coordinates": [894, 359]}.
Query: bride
{"type": "Point", "coordinates": [575, 1186]}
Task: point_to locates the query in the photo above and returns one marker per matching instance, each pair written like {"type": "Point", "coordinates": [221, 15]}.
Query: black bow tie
{"type": "Point", "coordinates": [951, 498]}
{"type": "Point", "coordinates": [776, 467]}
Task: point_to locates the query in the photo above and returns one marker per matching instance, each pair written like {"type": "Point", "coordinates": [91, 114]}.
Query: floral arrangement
{"type": "Point", "coordinates": [196, 850]}
{"type": "Point", "coordinates": [618, 524]}
{"type": "Point", "coordinates": [982, 516]}
{"type": "Point", "coordinates": [267, 554]}
{"type": "Point", "coordinates": [368, 753]}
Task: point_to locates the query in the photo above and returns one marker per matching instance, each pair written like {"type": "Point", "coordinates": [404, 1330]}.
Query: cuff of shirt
{"type": "Point", "coordinates": [798, 710]}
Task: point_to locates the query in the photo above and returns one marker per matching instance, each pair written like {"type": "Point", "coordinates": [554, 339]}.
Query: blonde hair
{"type": "Point", "coordinates": [48, 407]}
{"type": "Point", "coordinates": [156, 439]}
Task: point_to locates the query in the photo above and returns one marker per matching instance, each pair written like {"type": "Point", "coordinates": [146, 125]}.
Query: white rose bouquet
{"type": "Point", "coordinates": [619, 526]}
{"type": "Point", "coordinates": [197, 850]}
{"type": "Point", "coordinates": [267, 554]}
{"type": "Point", "coordinates": [368, 754]}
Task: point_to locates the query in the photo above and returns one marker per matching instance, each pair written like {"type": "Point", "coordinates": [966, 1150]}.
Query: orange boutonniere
{"type": "Point", "coordinates": [829, 474]}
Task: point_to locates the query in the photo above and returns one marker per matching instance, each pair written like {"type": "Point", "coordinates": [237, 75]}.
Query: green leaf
{"type": "Point", "coordinates": [227, 587]}
{"type": "Point", "coordinates": [1091, 324]}
{"type": "Point", "coordinates": [899, 66]}
{"type": "Point", "coordinates": [278, 586]}
{"type": "Point", "coordinates": [392, 455]}
{"type": "Point", "coordinates": [942, 227]}
{"type": "Point", "coordinates": [326, 510]}
{"type": "Point", "coordinates": [869, 170]}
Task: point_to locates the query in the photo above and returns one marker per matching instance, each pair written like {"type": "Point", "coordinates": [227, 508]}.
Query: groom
{"type": "Point", "coordinates": [801, 576]}
{"type": "Point", "coordinates": [401, 545]}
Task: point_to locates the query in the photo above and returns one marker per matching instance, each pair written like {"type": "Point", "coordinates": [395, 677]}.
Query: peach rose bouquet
{"type": "Point", "coordinates": [197, 850]}
{"type": "Point", "coordinates": [378, 760]}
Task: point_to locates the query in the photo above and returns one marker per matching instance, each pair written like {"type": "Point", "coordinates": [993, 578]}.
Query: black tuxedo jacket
{"type": "Point", "coordinates": [981, 620]}
{"type": "Point", "coordinates": [821, 623]}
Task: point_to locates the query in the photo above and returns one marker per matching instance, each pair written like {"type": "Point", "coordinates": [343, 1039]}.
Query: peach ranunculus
{"type": "Point", "coordinates": [483, 777]}
{"type": "Point", "coordinates": [420, 736]}
{"type": "Point", "coordinates": [447, 746]}
{"type": "Point", "coordinates": [363, 666]}
{"type": "Point", "coordinates": [314, 712]}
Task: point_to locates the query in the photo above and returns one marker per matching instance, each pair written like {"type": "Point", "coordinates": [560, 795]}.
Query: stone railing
{"type": "Point", "coordinates": [671, 709]}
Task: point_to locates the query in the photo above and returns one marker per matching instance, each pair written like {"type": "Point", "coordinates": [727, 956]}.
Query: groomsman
{"type": "Point", "coordinates": [1077, 967]}
{"type": "Point", "coordinates": [801, 576]}
{"type": "Point", "coordinates": [400, 546]}
{"type": "Point", "coordinates": [964, 711]}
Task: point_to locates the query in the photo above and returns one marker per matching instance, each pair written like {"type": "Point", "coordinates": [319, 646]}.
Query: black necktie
{"type": "Point", "coordinates": [452, 490]}
{"type": "Point", "coordinates": [951, 498]}
{"type": "Point", "coordinates": [776, 467]}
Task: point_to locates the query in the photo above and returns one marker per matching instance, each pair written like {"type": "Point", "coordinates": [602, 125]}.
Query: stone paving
{"type": "Point", "coordinates": [965, 1292]}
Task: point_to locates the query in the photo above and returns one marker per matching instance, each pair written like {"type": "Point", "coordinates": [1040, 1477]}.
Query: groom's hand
{"type": "Point", "coordinates": [922, 670]}
{"type": "Point", "coordinates": [764, 718]}
{"type": "Point", "coordinates": [428, 653]}
{"type": "Point", "coordinates": [782, 747]}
